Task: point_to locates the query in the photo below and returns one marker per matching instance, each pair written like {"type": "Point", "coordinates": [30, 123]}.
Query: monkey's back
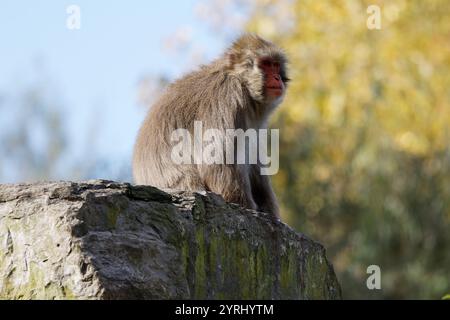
{"type": "Point", "coordinates": [205, 95]}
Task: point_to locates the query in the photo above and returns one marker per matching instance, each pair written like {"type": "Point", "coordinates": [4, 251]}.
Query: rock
{"type": "Point", "coordinates": [106, 240]}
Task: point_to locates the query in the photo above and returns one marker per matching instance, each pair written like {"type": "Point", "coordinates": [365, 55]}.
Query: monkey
{"type": "Point", "coordinates": [239, 90]}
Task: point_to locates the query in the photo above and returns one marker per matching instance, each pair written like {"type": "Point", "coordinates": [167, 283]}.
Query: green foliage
{"type": "Point", "coordinates": [365, 153]}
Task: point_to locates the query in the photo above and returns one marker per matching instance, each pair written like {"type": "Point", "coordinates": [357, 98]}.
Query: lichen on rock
{"type": "Point", "coordinates": [107, 240]}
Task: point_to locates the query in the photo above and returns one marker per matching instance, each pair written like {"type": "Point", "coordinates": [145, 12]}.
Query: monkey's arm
{"type": "Point", "coordinates": [263, 193]}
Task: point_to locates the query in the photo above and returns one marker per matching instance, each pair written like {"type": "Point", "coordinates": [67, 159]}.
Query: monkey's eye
{"type": "Point", "coordinates": [266, 63]}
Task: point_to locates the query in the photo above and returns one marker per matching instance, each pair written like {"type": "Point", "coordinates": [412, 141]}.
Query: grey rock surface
{"type": "Point", "coordinates": [106, 240]}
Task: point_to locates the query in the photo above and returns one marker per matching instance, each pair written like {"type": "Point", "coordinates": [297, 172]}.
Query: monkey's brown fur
{"type": "Point", "coordinates": [226, 94]}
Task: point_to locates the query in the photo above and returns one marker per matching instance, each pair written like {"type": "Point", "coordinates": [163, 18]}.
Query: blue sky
{"type": "Point", "coordinates": [95, 70]}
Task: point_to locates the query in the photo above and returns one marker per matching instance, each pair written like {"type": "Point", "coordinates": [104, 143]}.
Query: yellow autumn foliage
{"type": "Point", "coordinates": [365, 138]}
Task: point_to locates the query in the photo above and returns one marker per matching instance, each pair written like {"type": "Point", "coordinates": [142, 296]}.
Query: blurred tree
{"type": "Point", "coordinates": [149, 88]}
{"type": "Point", "coordinates": [365, 153]}
{"type": "Point", "coordinates": [32, 138]}
{"type": "Point", "coordinates": [35, 142]}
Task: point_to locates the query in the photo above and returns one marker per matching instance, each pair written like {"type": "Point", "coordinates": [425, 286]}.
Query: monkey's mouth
{"type": "Point", "coordinates": [274, 91]}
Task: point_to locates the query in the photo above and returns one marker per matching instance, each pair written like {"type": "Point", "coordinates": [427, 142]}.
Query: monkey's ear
{"type": "Point", "coordinates": [231, 58]}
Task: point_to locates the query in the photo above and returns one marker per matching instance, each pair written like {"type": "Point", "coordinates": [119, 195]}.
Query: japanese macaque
{"type": "Point", "coordinates": [237, 91]}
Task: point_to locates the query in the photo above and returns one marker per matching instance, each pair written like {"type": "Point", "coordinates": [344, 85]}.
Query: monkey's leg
{"type": "Point", "coordinates": [186, 179]}
{"type": "Point", "coordinates": [232, 182]}
{"type": "Point", "coordinates": [263, 193]}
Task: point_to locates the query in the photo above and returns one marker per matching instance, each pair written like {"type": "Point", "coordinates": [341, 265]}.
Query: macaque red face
{"type": "Point", "coordinates": [273, 84]}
